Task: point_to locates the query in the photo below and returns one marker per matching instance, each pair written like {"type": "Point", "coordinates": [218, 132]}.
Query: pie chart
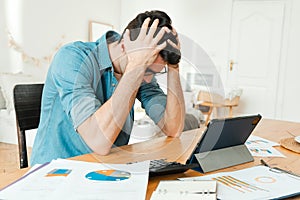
{"type": "Point", "coordinates": [108, 175]}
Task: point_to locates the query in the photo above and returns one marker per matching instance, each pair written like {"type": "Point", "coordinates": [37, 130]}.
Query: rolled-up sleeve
{"type": "Point", "coordinates": [153, 100]}
{"type": "Point", "coordinates": [73, 75]}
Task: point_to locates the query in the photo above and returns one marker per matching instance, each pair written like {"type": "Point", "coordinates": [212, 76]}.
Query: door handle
{"type": "Point", "coordinates": [231, 65]}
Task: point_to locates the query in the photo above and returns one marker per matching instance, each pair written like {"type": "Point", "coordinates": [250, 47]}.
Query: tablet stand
{"type": "Point", "coordinates": [222, 158]}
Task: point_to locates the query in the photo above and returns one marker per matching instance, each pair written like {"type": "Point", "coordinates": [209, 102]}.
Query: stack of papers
{"type": "Point", "coordinates": [67, 179]}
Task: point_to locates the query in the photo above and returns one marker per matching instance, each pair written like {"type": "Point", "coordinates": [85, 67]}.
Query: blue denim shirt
{"type": "Point", "coordinates": [79, 80]}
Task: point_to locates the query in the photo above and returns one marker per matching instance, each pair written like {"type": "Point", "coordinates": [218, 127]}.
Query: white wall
{"type": "Point", "coordinates": [204, 21]}
{"type": "Point", "coordinates": [38, 26]}
{"type": "Point", "coordinates": [207, 22]}
{"type": "Point", "coordinates": [205, 27]}
{"type": "Point", "coordinates": [290, 83]}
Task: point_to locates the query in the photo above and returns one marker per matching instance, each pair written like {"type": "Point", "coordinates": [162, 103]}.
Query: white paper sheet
{"type": "Point", "coordinates": [185, 190]}
{"type": "Point", "coordinates": [254, 140]}
{"type": "Point", "coordinates": [261, 147]}
{"type": "Point", "coordinates": [262, 182]}
{"type": "Point", "coordinates": [121, 180]}
{"type": "Point", "coordinates": [265, 152]}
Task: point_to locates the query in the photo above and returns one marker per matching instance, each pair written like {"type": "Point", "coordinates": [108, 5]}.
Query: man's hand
{"type": "Point", "coordinates": [174, 46]}
{"type": "Point", "coordinates": [143, 51]}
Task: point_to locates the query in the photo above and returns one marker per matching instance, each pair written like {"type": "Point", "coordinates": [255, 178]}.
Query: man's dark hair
{"type": "Point", "coordinates": [169, 53]}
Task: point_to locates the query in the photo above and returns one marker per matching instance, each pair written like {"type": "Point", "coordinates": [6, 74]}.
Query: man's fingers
{"type": "Point", "coordinates": [174, 31]}
{"type": "Point", "coordinates": [159, 35]}
{"type": "Point", "coordinates": [161, 46]}
{"type": "Point", "coordinates": [172, 44]}
{"type": "Point", "coordinates": [153, 28]}
{"type": "Point", "coordinates": [126, 36]}
{"type": "Point", "coordinates": [179, 47]}
{"type": "Point", "coordinates": [144, 28]}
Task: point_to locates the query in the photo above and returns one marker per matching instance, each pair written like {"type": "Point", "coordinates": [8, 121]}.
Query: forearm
{"type": "Point", "coordinates": [101, 129]}
{"type": "Point", "coordinates": [172, 122]}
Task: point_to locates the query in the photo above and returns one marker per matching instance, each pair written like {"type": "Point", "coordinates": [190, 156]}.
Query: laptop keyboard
{"type": "Point", "coordinates": [162, 167]}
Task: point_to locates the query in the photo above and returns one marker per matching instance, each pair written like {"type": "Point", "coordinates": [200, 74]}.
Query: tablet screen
{"type": "Point", "coordinates": [222, 133]}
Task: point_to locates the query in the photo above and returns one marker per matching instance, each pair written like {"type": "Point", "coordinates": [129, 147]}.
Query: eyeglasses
{"type": "Point", "coordinates": [150, 72]}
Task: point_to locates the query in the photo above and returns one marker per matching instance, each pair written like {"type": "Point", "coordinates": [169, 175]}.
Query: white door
{"type": "Point", "coordinates": [255, 44]}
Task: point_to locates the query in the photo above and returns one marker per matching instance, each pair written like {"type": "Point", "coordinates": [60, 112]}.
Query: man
{"type": "Point", "coordinates": [90, 89]}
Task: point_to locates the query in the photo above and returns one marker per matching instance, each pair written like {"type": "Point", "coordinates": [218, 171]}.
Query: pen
{"type": "Point", "coordinates": [279, 170]}
{"type": "Point", "coordinates": [285, 171]}
{"type": "Point", "coordinates": [264, 163]}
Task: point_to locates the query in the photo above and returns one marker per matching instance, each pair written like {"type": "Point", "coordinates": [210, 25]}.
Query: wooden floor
{"type": "Point", "coordinates": [9, 158]}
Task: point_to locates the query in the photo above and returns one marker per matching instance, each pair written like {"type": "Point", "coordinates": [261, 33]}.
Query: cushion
{"type": "Point", "coordinates": [8, 82]}
{"type": "Point", "coordinates": [2, 100]}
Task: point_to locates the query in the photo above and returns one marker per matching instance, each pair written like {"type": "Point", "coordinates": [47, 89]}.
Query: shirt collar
{"type": "Point", "coordinates": [103, 53]}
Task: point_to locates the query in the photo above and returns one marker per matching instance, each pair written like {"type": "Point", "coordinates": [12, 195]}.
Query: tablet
{"type": "Point", "coordinates": [228, 132]}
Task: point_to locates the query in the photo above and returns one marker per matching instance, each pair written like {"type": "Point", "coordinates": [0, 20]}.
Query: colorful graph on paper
{"type": "Point", "coordinates": [265, 151]}
{"type": "Point", "coordinates": [237, 184]}
{"type": "Point", "coordinates": [108, 175]}
{"type": "Point", "coordinates": [259, 142]}
{"type": "Point", "coordinates": [59, 172]}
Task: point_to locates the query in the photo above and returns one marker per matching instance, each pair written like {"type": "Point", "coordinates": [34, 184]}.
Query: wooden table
{"type": "Point", "coordinates": [180, 148]}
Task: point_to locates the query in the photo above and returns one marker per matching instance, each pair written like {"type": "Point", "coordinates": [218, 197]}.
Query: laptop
{"type": "Point", "coordinates": [221, 145]}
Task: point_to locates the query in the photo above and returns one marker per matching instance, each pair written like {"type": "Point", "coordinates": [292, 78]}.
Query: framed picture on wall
{"type": "Point", "coordinates": [97, 29]}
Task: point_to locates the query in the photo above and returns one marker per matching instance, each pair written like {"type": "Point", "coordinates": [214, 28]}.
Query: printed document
{"type": "Point", "coordinates": [67, 179]}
